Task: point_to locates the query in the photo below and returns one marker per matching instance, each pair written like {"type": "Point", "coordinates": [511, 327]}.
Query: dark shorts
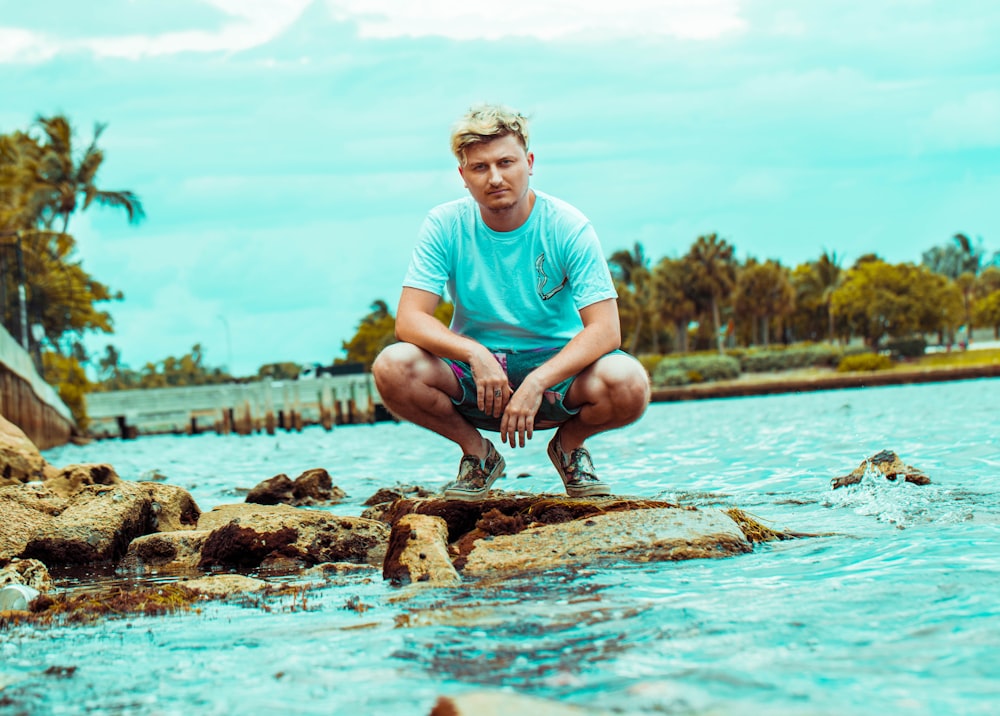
{"type": "Point", "coordinates": [517, 365]}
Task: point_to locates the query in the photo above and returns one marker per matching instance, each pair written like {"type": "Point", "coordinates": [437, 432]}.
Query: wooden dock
{"type": "Point", "coordinates": [241, 408]}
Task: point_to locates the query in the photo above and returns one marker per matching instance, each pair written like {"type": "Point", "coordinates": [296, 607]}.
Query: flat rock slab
{"type": "Point", "coordinates": [649, 535]}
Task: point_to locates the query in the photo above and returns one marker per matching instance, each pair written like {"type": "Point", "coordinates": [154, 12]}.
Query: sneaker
{"type": "Point", "coordinates": [577, 472]}
{"type": "Point", "coordinates": [474, 477]}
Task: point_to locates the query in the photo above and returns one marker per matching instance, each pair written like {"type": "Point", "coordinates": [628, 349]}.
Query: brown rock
{"type": "Point", "coordinates": [69, 480]}
{"type": "Point", "coordinates": [178, 551]}
{"type": "Point", "coordinates": [27, 510]}
{"type": "Point", "coordinates": [248, 535]}
{"type": "Point", "coordinates": [29, 572]}
{"type": "Point", "coordinates": [96, 525]}
{"type": "Point", "coordinates": [20, 460]}
{"type": "Point", "coordinates": [888, 463]}
{"type": "Point", "coordinates": [418, 552]}
{"type": "Point", "coordinates": [172, 508]}
{"type": "Point", "coordinates": [645, 535]}
{"type": "Point", "coordinates": [312, 487]}
{"type": "Point", "coordinates": [391, 494]}
{"type": "Point", "coordinates": [277, 490]}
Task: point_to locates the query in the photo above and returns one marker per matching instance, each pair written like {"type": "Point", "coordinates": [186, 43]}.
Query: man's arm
{"type": "Point", "coordinates": [416, 324]}
{"type": "Point", "coordinates": [601, 334]}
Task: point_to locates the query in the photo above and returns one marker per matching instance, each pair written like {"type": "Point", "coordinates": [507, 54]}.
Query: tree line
{"type": "Point", "coordinates": [707, 300]}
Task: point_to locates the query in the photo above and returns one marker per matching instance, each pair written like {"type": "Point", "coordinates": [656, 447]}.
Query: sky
{"type": "Point", "coordinates": [286, 151]}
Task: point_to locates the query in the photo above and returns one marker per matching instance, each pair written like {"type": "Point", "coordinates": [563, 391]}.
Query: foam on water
{"type": "Point", "coordinates": [894, 609]}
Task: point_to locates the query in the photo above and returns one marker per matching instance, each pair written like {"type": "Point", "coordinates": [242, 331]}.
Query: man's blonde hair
{"type": "Point", "coordinates": [484, 123]}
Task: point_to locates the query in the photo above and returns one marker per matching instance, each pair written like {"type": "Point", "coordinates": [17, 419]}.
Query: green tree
{"type": "Point", "coordinates": [878, 299]}
{"type": "Point", "coordinates": [713, 275]}
{"type": "Point", "coordinates": [633, 280]}
{"type": "Point", "coordinates": [763, 291]}
{"type": "Point", "coordinates": [814, 284]}
{"type": "Point", "coordinates": [674, 305]}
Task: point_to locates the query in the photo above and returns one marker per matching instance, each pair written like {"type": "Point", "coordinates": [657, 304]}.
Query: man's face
{"type": "Point", "coordinates": [496, 173]}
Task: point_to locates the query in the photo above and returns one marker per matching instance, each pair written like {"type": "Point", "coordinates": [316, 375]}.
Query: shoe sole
{"type": "Point", "coordinates": [478, 495]}
{"type": "Point", "coordinates": [599, 490]}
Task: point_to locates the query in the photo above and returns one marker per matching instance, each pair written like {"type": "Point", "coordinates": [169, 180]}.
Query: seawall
{"type": "Point", "coordinates": [28, 401]}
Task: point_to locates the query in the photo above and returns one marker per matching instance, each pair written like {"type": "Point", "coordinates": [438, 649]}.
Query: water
{"type": "Point", "coordinates": [894, 611]}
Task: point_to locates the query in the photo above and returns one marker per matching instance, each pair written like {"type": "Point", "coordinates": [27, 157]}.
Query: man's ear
{"type": "Point", "coordinates": [531, 163]}
{"type": "Point", "coordinates": [461, 173]}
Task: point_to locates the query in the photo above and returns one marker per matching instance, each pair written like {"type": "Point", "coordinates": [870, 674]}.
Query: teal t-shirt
{"type": "Point", "coordinates": [520, 289]}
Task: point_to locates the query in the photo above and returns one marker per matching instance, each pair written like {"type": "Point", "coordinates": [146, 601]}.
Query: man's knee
{"type": "Point", "coordinates": [626, 383]}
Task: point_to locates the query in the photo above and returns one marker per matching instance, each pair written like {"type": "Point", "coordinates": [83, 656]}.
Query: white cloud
{"type": "Point", "coordinates": [252, 23]}
{"type": "Point", "coordinates": [691, 19]}
{"type": "Point", "coordinates": [24, 46]}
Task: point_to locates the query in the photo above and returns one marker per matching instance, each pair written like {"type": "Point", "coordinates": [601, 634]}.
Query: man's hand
{"type": "Point", "coordinates": [518, 423]}
{"type": "Point", "coordinates": [492, 386]}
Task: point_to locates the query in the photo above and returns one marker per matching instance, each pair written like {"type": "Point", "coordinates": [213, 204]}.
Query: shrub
{"type": "Point", "coordinates": [864, 362]}
{"type": "Point", "coordinates": [696, 368]}
{"type": "Point", "coordinates": [649, 361]}
{"type": "Point", "coordinates": [806, 355]}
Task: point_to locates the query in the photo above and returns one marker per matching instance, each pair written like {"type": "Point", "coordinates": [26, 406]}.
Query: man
{"type": "Point", "coordinates": [534, 338]}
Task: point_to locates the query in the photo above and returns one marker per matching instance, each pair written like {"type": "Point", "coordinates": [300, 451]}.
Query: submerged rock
{"type": "Point", "coordinates": [225, 585]}
{"type": "Point", "coordinates": [888, 463]}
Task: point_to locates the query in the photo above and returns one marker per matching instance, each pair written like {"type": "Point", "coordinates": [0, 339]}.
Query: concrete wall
{"type": "Point", "coordinates": [28, 401]}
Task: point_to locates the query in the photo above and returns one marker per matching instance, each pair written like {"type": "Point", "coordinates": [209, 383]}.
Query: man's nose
{"type": "Point", "coordinates": [495, 176]}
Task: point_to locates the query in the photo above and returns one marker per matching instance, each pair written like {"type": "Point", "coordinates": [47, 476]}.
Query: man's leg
{"type": "Point", "coordinates": [419, 387]}
{"type": "Point", "coordinates": [611, 393]}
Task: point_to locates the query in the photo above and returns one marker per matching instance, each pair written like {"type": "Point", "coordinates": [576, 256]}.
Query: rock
{"type": "Point", "coordinates": [20, 460]}
{"type": "Point", "coordinates": [27, 510]}
{"type": "Point", "coordinates": [248, 535]}
{"type": "Point", "coordinates": [504, 703]}
{"type": "Point", "coordinates": [277, 490]}
{"type": "Point", "coordinates": [178, 551]}
{"type": "Point", "coordinates": [418, 552]}
{"type": "Point", "coordinates": [29, 572]}
{"type": "Point", "coordinates": [172, 508]}
{"type": "Point", "coordinates": [887, 463]}
{"type": "Point", "coordinates": [95, 525]}
{"type": "Point", "coordinates": [71, 479]}
{"type": "Point", "coordinates": [225, 585]}
{"type": "Point", "coordinates": [391, 494]}
{"type": "Point", "coordinates": [643, 535]}
{"type": "Point", "coordinates": [312, 487]}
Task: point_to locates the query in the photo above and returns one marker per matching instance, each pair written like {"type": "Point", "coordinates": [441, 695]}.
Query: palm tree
{"type": "Point", "coordinates": [61, 180]}
{"type": "Point", "coordinates": [711, 260]}
{"type": "Point", "coordinates": [826, 275]}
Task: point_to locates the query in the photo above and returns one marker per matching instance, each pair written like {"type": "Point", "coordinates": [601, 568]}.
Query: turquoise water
{"type": "Point", "coordinates": [895, 612]}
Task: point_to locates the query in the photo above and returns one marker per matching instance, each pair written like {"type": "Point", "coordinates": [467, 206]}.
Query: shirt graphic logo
{"type": "Point", "coordinates": [543, 279]}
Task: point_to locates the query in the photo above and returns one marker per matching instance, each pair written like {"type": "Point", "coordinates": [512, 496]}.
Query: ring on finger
{"type": "Point", "coordinates": [497, 393]}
